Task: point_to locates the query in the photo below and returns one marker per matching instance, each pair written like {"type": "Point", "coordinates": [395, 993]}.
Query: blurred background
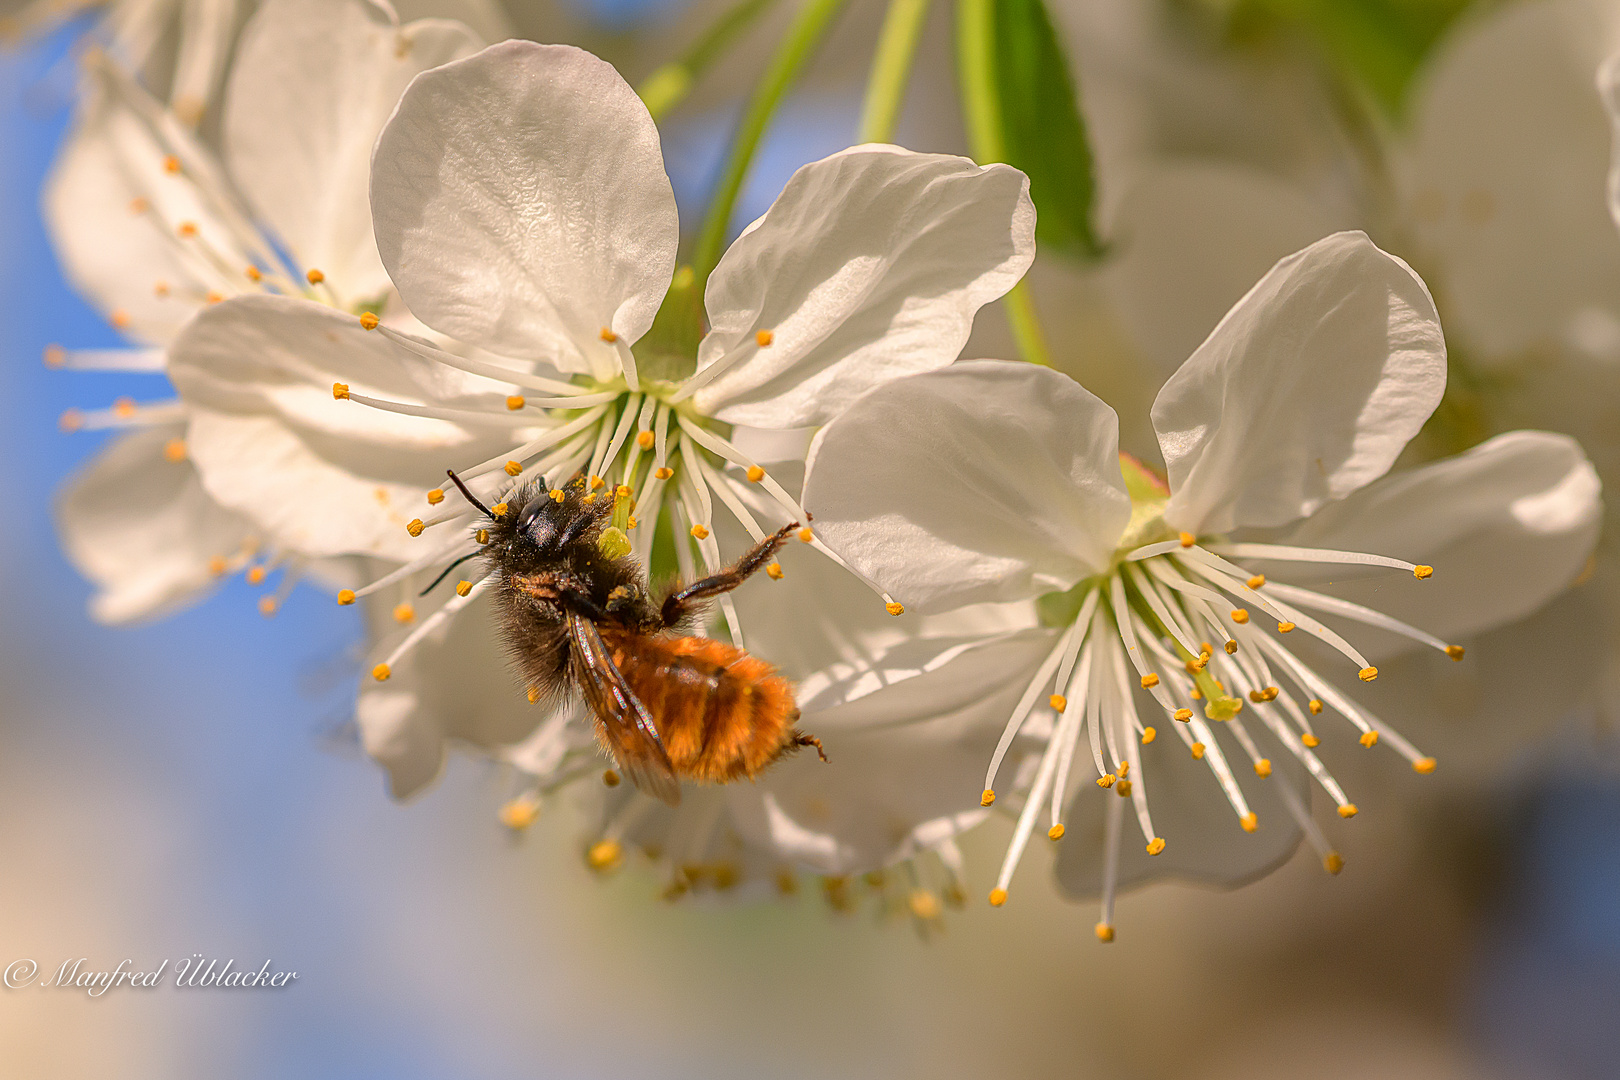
{"type": "Point", "coordinates": [192, 786]}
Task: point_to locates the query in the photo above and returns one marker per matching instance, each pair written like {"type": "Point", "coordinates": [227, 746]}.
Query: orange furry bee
{"type": "Point", "coordinates": [668, 706]}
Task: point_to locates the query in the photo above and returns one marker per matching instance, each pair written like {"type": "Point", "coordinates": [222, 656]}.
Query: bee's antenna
{"type": "Point", "coordinates": [451, 473]}
{"type": "Point", "coordinates": [446, 573]}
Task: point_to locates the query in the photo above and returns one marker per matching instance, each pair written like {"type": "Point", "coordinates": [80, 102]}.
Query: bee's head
{"type": "Point", "coordinates": [542, 522]}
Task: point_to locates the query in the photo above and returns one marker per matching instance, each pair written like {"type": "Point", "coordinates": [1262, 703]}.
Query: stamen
{"type": "Point", "coordinates": [1042, 675]}
{"type": "Point", "coordinates": [119, 360]}
{"type": "Point", "coordinates": [1284, 553]}
{"type": "Point", "coordinates": [574, 397]}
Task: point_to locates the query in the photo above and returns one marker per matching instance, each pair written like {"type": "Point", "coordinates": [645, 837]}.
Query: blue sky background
{"type": "Point", "coordinates": [186, 786]}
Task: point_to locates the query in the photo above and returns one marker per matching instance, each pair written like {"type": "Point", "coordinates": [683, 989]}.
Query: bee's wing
{"type": "Point", "coordinates": [625, 720]}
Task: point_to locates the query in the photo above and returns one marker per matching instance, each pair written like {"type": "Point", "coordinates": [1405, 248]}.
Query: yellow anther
{"type": "Point", "coordinates": [1149, 733]}
{"type": "Point", "coordinates": [139, 206]}
{"type": "Point", "coordinates": [482, 536]}
{"type": "Point", "coordinates": [1285, 628]}
{"type": "Point", "coordinates": [1348, 810]}
{"type": "Point", "coordinates": [1421, 572]}
{"type": "Point", "coordinates": [597, 483]}
{"type": "Point", "coordinates": [1310, 740]}
{"type": "Point", "coordinates": [755, 474]}
{"type": "Point", "coordinates": [463, 588]}
{"type": "Point", "coordinates": [1423, 765]}
{"type": "Point", "coordinates": [764, 338]}
{"type": "Point", "coordinates": [786, 883]}
{"type": "Point", "coordinates": [1206, 649]}
{"type": "Point", "coordinates": [631, 523]}
{"type": "Point", "coordinates": [1183, 715]}
{"type": "Point", "coordinates": [404, 613]}
{"type": "Point", "coordinates": [1369, 739]}
{"type": "Point", "coordinates": [534, 694]}
{"type": "Point", "coordinates": [124, 408]}
{"type": "Point", "coordinates": [253, 274]}
{"type": "Point", "coordinates": [255, 575]}
{"type": "Point", "coordinates": [1107, 780]}
{"type": "Point", "coordinates": [1197, 749]}
{"type": "Point", "coordinates": [1055, 832]}
{"type": "Point", "coordinates": [622, 491]}
{"type": "Point", "coordinates": [1193, 693]}
{"type": "Point", "coordinates": [160, 289]}
{"type": "Point", "coordinates": [1262, 768]}
{"type": "Point", "coordinates": [514, 402]}
{"type": "Point", "coordinates": [663, 472]}
{"type": "Point", "coordinates": [315, 277]}
{"type": "Point", "coordinates": [806, 534]}
{"type": "Point", "coordinates": [1256, 696]}
{"type": "Point", "coordinates": [1231, 646]}
{"type": "Point", "coordinates": [1124, 768]}
{"type": "Point", "coordinates": [1454, 651]}
{"type": "Point", "coordinates": [519, 814]}
{"type": "Point", "coordinates": [267, 606]}
{"type": "Point", "coordinates": [556, 494]}
{"type": "Point", "coordinates": [608, 335]}
{"type": "Point", "coordinates": [894, 608]}
{"type": "Point", "coordinates": [499, 509]}
{"type": "Point", "coordinates": [1155, 845]}
{"type": "Point", "coordinates": [1315, 705]}
{"type": "Point", "coordinates": [987, 797]}
{"type": "Point", "coordinates": [345, 596]}
{"type": "Point", "coordinates": [1105, 933]}
{"type": "Point", "coordinates": [171, 164]}
{"type": "Point", "coordinates": [774, 571]}
{"type": "Point", "coordinates": [1187, 539]}
{"type": "Point", "coordinates": [700, 531]}
{"type": "Point", "coordinates": [1240, 616]}
{"type": "Point", "coordinates": [435, 497]}
{"type": "Point", "coordinates": [369, 320]}
{"type": "Point", "coordinates": [175, 451]}
{"type": "Point", "coordinates": [218, 566]}
{"type": "Point", "coordinates": [998, 897]}
{"type": "Point", "coordinates": [119, 319]}
{"type": "Point", "coordinates": [924, 904]}
{"type": "Point", "coordinates": [1123, 789]}
{"type": "Point", "coordinates": [1367, 674]}
{"type": "Point", "coordinates": [381, 672]}
{"type": "Point", "coordinates": [1250, 821]}
{"type": "Point", "coordinates": [513, 468]}
{"type": "Point", "coordinates": [1058, 702]}
{"type": "Point", "coordinates": [340, 391]}
{"type": "Point", "coordinates": [1257, 581]}
{"type": "Point", "coordinates": [187, 229]}
{"type": "Point", "coordinates": [610, 778]}
{"type": "Point", "coordinates": [1150, 680]}
{"type": "Point", "coordinates": [55, 356]}
{"type": "Point", "coordinates": [1333, 862]}
{"type": "Point", "coordinates": [645, 439]}
{"type": "Point", "coordinates": [215, 298]}
{"type": "Point", "coordinates": [604, 855]}
{"type": "Point", "coordinates": [415, 527]}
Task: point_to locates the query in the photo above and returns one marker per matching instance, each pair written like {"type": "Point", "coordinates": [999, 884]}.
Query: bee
{"type": "Point", "coordinates": [577, 618]}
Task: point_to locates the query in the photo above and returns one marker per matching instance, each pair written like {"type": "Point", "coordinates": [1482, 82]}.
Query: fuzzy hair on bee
{"type": "Point", "coordinates": [577, 615]}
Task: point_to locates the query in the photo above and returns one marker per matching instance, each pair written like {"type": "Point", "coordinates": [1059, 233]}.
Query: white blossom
{"type": "Point", "coordinates": [998, 481]}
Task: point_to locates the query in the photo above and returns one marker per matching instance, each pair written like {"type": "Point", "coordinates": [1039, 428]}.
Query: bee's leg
{"type": "Point", "coordinates": [679, 604]}
{"type": "Point", "coordinates": [801, 739]}
{"type": "Point", "coordinates": [578, 601]}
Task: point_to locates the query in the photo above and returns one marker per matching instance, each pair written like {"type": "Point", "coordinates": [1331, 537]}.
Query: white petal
{"type": "Point", "coordinates": [1204, 841]}
{"type": "Point", "coordinates": [1507, 526]}
{"type": "Point", "coordinates": [486, 17]}
{"type": "Point", "coordinates": [112, 254]}
{"type": "Point", "coordinates": [453, 686]}
{"type": "Point", "coordinates": [1609, 89]}
{"type": "Point", "coordinates": [1505, 191]}
{"type": "Point", "coordinates": [905, 765]}
{"type": "Point", "coordinates": [521, 205]}
{"type": "Point", "coordinates": [986, 480]}
{"type": "Point", "coordinates": [140, 526]}
{"type": "Point", "coordinates": [324, 476]}
{"type": "Point", "coordinates": [870, 265]}
{"type": "Point", "coordinates": [1190, 240]}
{"type": "Point", "coordinates": [1308, 389]}
{"type": "Point", "coordinates": [312, 85]}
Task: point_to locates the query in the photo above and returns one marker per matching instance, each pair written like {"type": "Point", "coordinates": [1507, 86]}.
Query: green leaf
{"type": "Point", "coordinates": [1042, 132]}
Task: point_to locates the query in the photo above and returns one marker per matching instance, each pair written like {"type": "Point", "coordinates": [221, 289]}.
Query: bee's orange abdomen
{"type": "Point", "coordinates": [722, 714]}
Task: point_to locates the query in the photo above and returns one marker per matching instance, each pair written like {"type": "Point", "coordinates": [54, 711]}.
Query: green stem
{"type": "Point", "coordinates": [976, 73]}
{"type": "Point", "coordinates": [891, 70]}
{"type": "Point", "coordinates": [800, 42]}
{"type": "Point", "coordinates": [1019, 307]}
{"type": "Point", "coordinates": [981, 114]}
{"type": "Point", "coordinates": [668, 86]}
